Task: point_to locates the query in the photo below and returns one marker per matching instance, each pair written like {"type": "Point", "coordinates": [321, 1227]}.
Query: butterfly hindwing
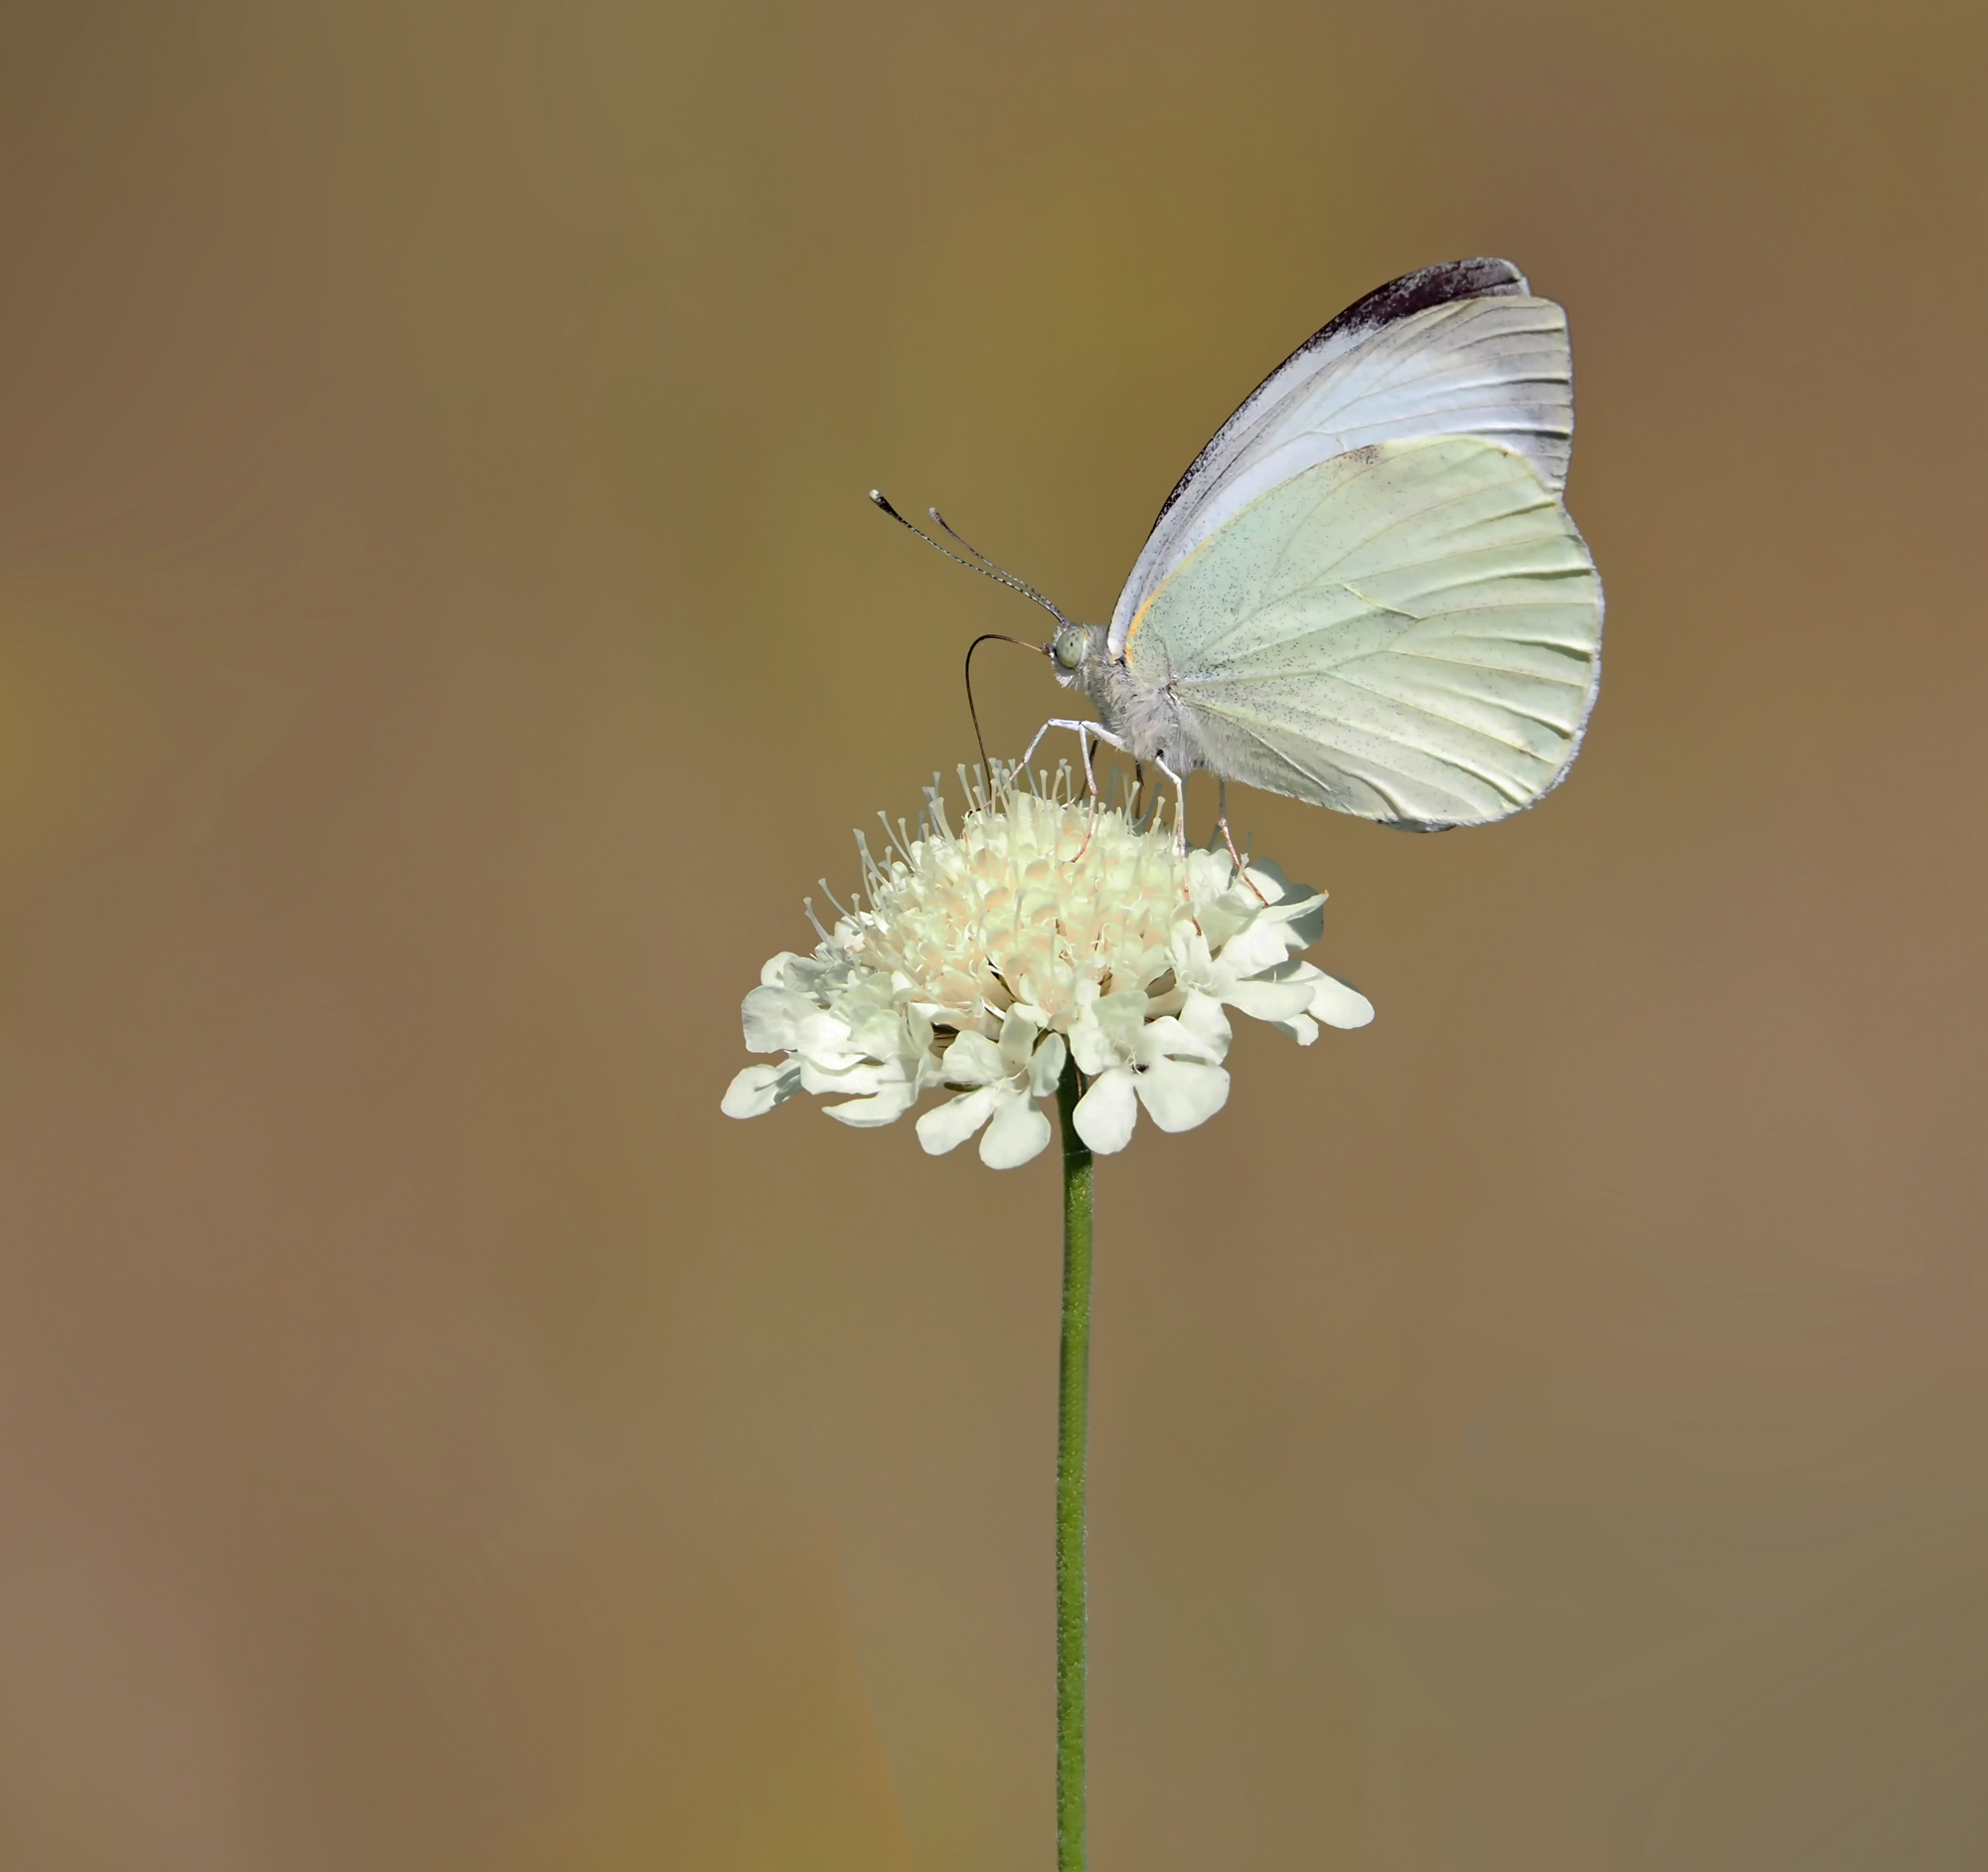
{"type": "Point", "coordinates": [1409, 631]}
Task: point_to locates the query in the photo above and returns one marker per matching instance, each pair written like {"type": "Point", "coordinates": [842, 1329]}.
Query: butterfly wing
{"type": "Point", "coordinates": [1411, 632]}
{"type": "Point", "coordinates": [1459, 349]}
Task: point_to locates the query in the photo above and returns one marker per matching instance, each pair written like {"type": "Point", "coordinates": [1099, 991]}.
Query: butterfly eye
{"type": "Point", "coordinates": [1069, 648]}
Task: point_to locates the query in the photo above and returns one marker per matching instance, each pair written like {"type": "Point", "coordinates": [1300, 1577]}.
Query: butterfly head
{"type": "Point", "coordinates": [1076, 652]}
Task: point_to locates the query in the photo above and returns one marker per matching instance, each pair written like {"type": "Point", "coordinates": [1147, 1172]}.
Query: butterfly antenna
{"type": "Point", "coordinates": [961, 538]}
{"type": "Point", "coordinates": [1020, 584]}
{"type": "Point", "coordinates": [986, 568]}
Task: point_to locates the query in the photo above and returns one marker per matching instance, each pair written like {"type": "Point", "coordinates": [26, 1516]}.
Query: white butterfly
{"type": "Point", "coordinates": [1365, 591]}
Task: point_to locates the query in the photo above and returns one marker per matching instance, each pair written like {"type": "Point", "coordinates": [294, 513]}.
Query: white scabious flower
{"type": "Point", "coordinates": [1043, 929]}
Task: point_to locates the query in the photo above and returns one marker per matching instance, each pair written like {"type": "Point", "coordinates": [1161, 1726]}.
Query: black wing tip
{"type": "Point", "coordinates": [1485, 277]}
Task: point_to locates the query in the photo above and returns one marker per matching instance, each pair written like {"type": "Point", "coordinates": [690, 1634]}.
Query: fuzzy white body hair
{"type": "Point", "coordinates": [1147, 719]}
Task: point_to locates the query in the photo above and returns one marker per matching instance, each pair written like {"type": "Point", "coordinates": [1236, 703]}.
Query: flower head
{"type": "Point", "coordinates": [1044, 928]}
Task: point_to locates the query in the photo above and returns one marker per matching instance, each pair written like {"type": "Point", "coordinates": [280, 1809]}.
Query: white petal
{"type": "Point", "coordinates": [1089, 1045]}
{"type": "Point", "coordinates": [1180, 1093]}
{"type": "Point", "coordinates": [886, 1108]}
{"type": "Point", "coordinates": [1105, 1114]}
{"type": "Point", "coordinates": [1262, 945]}
{"type": "Point", "coordinates": [1208, 874]}
{"type": "Point", "coordinates": [1222, 917]}
{"type": "Point", "coordinates": [1270, 880]}
{"type": "Point", "coordinates": [879, 1033]}
{"type": "Point", "coordinates": [758, 1089]}
{"type": "Point", "coordinates": [1338, 1005]}
{"type": "Point", "coordinates": [973, 1060]}
{"type": "Point", "coordinates": [1122, 1014]}
{"type": "Point", "coordinates": [772, 1017]}
{"type": "Point", "coordinates": [1303, 1026]}
{"type": "Point", "coordinates": [1298, 904]}
{"type": "Point", "coordinates": [815, 979]}
{"type": "Point", "coordinates": [1046, 1066]}
{"type": "Point", "coordinates": [857, 1079]}
{"type": "Point", "coordinates": [947, 1126]}
{"type": "Point", "coordinates": [1270, 1000]}
{"type": "Point", "coordinates": [1018, 1038]}
{"type": "Point", "coordinates": [1304, 911]}
{"type": "Point", "coordinates": [1019, 1131]}
{"type": "Point", "coordinates": [1203, 1017]}
{"type": "Point", "coordinates": [774, 974]}
{"type": "Point", "coordinates": [1173, 1036]}
{"type": "Point", "coordinates": [820, 1032]}
{"type": "Point", "coordinates": [1193, 960]}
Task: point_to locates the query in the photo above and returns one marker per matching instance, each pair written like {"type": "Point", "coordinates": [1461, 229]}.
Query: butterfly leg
{"type": "Point", "coordinates": [1229, 838]}
{"type": "Point", "coordinates": [1180, 803]}
{"type": "Point", "coordinates": [1087, 732]}
{"type": "Point", "coordinates": [1078, 729]}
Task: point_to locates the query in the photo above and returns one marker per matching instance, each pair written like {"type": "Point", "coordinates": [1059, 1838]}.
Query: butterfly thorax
{"type": "Point", "coordinates": [1145, 715]}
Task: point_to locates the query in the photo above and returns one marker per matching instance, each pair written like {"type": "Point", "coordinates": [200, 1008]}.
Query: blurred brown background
{"type": "Point", "coordinates": [441, 638]}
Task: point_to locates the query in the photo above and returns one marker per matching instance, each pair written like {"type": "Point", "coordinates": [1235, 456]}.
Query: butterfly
{"type": "Point", "coordinates": [1366, 591]}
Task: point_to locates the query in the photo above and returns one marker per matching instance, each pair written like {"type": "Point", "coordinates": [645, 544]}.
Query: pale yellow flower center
{"type": "Point", "coordinates": [1029, 899]}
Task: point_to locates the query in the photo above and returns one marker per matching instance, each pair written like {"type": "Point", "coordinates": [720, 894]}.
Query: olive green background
{"type": "Point", "coordinates": [441, 638]}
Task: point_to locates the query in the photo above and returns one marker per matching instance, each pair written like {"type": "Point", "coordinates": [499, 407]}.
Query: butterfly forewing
{"type": "Point", "coordinates": [1461, 349]}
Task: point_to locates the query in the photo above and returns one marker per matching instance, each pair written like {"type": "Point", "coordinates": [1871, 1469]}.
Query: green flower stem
{"type": "Point", "coordinates": [1073, 1425]}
